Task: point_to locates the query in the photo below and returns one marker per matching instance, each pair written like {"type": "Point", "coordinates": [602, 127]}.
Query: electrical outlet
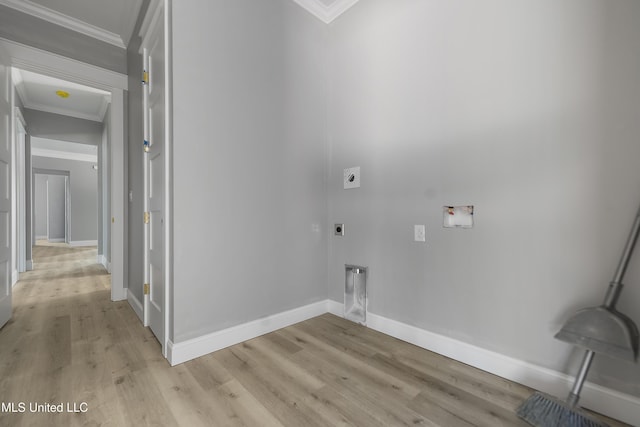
{"type": "Point", "coordinates": [338, 229]}
{"type": "Point", "coordinates": [419, 233]}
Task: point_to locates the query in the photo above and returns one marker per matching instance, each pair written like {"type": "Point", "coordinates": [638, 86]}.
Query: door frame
{"type": "Point", "coordinates": [161, 9]}
{"type": "Point", "coordinates": [67, 195]}
{"type": "Point", "coordinates": [42, 62]}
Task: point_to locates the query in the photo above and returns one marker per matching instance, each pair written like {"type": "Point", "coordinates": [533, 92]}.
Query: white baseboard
{"type": "Point", "coordinates": [29, 264]}
{"type": "Point", "coordinates": [82, 243]}
{"type": "Point", "coordinates": [45, 237]}
{"type": "Point", "coordinates": [119, 293]}
{"type": "Point", "coordinates": [103, 260]}
{"type": "Point", "coordinates": [136, 305]}
{"type": "Point", "coordinates": [15, 276]}
{"type": "Point", "coordinates": [61, 240]}
{"type": "Point", "coordinates": [603, 400]}
{"type": "Point", "coordinates": [184, 351]}
{"type": "Point", "coordinates": [336, 308]}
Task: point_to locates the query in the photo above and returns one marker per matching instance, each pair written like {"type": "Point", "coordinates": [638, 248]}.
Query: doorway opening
{"type": "Point", "coordinates": [30, 60]}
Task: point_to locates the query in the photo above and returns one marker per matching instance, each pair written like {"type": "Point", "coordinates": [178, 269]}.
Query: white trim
{"type": "Point", "coordinates": [336, 308]}
{"type": "Point", "coordinates": [43, 152]}
{"type": "Point", "coordinates": [103, 261]}
{"type": "Point", "coordinates": [168, 173]}
{"type": "Point", "coordinates": [118, 191]}
{"type": "Point", "coordinates": [15, 276]}
{"type": "Point", "coordinates": [29, 264]}
{"type": "Point", "coordinates": [326, 13]}
{"type": "Point", "coordinates": [62, 111]}
{"type": "Point", "coordinates": [135, 304]}
{"type": "Point", "coordinates": [19, 86]}
{"type": "Point", "coordinates": [42, 237]}
{"type": "Point", "coordinates": [20, 117]}
{"type": "Point", "coordinates": [184, 351]}
{"type": "Point", "coordinates": [55, 17]}
{"type": "Point", "coordinates": [40, 61]}
{"type": "Point", "coordinates": [82, 243]}
{"type": "Point", "coordinates": [621, 406]}
{"type": "Point", "coordinates": [103, 108]}
{"type": "Point", "coordinates": [56, 240]}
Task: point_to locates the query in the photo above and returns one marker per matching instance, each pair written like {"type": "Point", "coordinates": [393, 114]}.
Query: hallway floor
{"type": "Point", "coordinates": [69, 344]}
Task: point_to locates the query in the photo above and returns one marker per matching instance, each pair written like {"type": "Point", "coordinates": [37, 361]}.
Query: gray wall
{"type": "Point", "coordinates": [56, 207]}
{"type": "Point", "coordinates": [135, 259]}
{"type": "Point", "coordinates": [38, 33]}
{"type": "Point", "coordinates": [84, 199]}
{"type": "Point", "coordinates": [64, 128]}
{"type": "Point", "coordinates": [40, 206]}
{"type": "Point", "coordinates": [528, 110]}
{"type": "Point", "coordinates": [249, 162]}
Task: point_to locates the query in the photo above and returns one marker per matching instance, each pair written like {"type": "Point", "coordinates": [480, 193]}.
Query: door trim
{"type": "Point", "coordinates": [40, 61]}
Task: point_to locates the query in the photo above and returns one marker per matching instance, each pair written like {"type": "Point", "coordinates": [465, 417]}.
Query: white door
{"type": "Point", "coordinates": [153, 59]}
{"type": "Point", "coordinates": [5, 189]}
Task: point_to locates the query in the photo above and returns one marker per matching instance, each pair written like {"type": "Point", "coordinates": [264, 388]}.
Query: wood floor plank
{"type": "Point", "coordinates": [285, 406]}
{"type": "Point", "coordinates": [208, 372]}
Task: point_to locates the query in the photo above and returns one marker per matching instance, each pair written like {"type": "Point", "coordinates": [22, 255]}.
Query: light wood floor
{"type": "Point", "coordinates": [68, 343]}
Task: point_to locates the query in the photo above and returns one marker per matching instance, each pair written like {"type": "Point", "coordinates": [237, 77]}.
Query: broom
{"type": "Point", "coordinates": [542, 410]}
{"type": "Point", "coordinates": [588, 328]}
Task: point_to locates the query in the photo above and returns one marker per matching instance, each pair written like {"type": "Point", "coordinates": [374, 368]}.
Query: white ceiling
{"type": "Point", "coordinates": [111, 21]}
{"type": "Point", "coordinates": [38, 92]}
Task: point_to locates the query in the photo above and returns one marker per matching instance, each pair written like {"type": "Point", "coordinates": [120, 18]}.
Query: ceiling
{"type": "Point", "coordinates": [111, 21]}
{"type": "Point", "coordinates": [38, 92]}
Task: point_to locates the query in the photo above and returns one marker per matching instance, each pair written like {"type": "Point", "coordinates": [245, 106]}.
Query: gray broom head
{"type": "Point", "coordinates": [541, 410]}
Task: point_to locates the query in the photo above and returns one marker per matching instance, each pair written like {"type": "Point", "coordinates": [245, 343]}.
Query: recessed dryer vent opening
{"type": "Point", "coordinates": [355, 294]}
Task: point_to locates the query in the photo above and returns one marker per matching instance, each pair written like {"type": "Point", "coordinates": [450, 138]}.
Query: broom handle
{"type": "Point", "coordinates": [615, 287]}
{"type": "Point", "coordinates": [574, 395]}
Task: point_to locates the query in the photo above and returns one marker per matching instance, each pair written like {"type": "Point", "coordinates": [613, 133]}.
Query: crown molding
{"type": "Point", "coordinates": [50, 15]}
{"type": "Point", "coordinates": [326, 13]}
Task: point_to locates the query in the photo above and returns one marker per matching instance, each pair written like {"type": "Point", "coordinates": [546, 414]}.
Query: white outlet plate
{"type": "Point", "coordinates": [419, 233]}
{"type": "Point", "coordinates": [352, 177]}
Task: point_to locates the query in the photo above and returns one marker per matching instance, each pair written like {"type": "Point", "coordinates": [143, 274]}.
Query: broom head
{"type": "Point", "coordinates": [541, 410]}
